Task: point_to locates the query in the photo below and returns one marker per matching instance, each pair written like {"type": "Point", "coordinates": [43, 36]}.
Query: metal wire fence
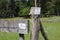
{"type": "Point", "coordinates": [6, 32]}
{"type": "Point", "coordinates": [11, 28]}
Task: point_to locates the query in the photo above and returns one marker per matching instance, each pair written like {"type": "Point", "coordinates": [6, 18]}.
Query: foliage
{"type": "Point", "coordinates": [15, 8]}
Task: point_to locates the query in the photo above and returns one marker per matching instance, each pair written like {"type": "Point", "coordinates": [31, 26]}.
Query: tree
{"type": "Point", "coordinates": [57, 7]}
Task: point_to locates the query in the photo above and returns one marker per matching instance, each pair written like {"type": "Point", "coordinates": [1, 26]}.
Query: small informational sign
{"type": "Point", "coordinates": [22, 26]}
{"type": "Point", "coordinates": [35, 10]}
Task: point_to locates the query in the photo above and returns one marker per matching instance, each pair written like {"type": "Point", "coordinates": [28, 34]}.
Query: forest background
{"type": "Point", "coordinates": [18, 8]}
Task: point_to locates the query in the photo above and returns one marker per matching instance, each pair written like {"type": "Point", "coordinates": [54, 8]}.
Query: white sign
{"type": "Point", "coordinates": [35, 10]}
{"type": "Point", "coordinates": [22, 25]}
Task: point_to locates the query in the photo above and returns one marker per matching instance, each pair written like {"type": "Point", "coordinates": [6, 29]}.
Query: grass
{"type": "Point", "coordinates": [52, 29]}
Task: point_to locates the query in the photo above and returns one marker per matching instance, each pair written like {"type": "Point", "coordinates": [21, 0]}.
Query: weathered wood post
{"type": "Point", "coordinates": [37, 26]}
{"type": "Point", "coordinates": [35, 11]}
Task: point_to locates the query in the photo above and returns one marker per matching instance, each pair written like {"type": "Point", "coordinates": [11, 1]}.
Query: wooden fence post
{"type": "Point", "coordinates": [35, 28]}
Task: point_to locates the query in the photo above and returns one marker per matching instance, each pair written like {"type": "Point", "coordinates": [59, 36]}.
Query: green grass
{"type": "Point", "coordinates": [52, 29]}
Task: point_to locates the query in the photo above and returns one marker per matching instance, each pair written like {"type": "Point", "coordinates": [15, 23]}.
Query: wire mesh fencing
{"type": "Point", "coordinates": [6, 32]}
